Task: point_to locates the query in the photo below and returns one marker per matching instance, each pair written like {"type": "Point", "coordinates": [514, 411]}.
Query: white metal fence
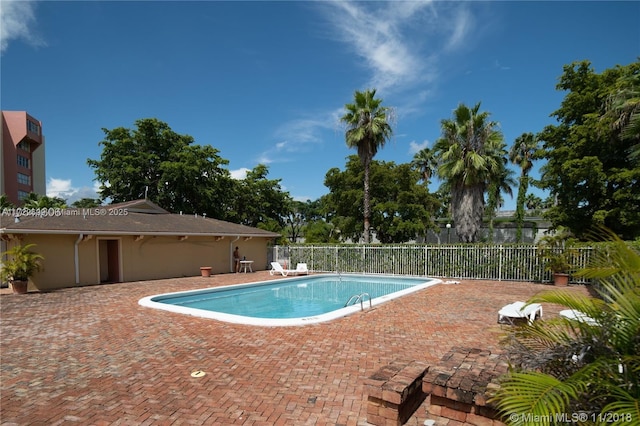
{"type": "Point", "coordinates": [489, 262]}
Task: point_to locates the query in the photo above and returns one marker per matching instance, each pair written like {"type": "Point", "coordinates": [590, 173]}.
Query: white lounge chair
{"type": "Point", "coordinates": [301, 268]}
{"type": "Point", "coordinates": [517, 310]}
{"type": "Point", "coordinates": [572, 314]}
{"type": "Point", "coordinates": [276, 268]}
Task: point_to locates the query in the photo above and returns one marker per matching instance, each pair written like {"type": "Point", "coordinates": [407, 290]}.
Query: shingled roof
{"type": "Point", "coordinates": [140, 217]}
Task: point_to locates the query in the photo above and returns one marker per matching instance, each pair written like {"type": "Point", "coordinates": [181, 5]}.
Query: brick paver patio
{"type": "Point", "coordinates": [93, 356]}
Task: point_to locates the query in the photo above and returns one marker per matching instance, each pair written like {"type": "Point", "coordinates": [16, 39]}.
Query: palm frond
{"type": "Point", "coordinates": [532, 398]}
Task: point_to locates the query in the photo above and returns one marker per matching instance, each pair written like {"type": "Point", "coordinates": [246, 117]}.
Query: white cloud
{"type": "Point", "coordinates": [17, 20]}
{"type": "Point", "coordinates": [415, 147]}
{"type": "Point", "coordinates": [295, 134]}
{"type": "Point", "coordinates": [299, 135]}
{"type": "Point", "coordinates": [401, 43]}
{"type": "Point", "coordinates": [239, 174]}
{"type": "Point", "coordinates": [461, 26]}
{"type": "Point", "coordinates": [63, 188]}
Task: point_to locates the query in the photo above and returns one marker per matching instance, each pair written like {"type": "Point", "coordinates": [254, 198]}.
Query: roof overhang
{"type": "Point", "coordinates": [158, 234]}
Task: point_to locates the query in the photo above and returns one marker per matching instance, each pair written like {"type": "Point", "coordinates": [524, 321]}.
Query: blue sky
{"type": "Point", "coordinates": [266, 82]}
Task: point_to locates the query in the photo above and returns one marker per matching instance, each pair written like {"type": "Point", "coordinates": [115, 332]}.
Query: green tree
{"type": "Point", "coordinates": [154, 162]}
{"type": "Point", "coordinates": [35, 201]}
{"type": "Point", "coordinates": [565, 365]}
{"type": "Point", "coordinates": [623, 106]}
{"type": "Point", "coordinates": [86, 203]}
{"type": "Point", "coordinates": [426, 162]}
{"type": "Point", "coordinates": [500, 183]}
{"type": "Point", "coordinates": [368, 129]}
{"type": "Point", "coordinates": [295, 220]}
{"type": "Point", "coordinates": [319, 231]}
{"type": "Point", "coordinates": [257, 199]}
{"type": "Point", "coordinates": [522, 154]}
{"type": "Point", "coordinates": [403, 209]}
{"type": "Point", "coordinates": [589, 170]}
{"type": "Point", "coordinates": [533, 202]}
{"type": "Point", "coordinates": [470, 158]}
{"type": "Point", "coordinates": [5, 203]}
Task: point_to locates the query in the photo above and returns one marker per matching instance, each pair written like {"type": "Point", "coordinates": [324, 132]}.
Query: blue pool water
{"type": "Point", "coordinates": [291, 301]}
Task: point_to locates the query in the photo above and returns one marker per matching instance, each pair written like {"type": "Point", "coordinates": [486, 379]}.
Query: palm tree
{"type": "Point", "coordinates": [581, 366]}
{"type": "Point", "coordinates": [469, 156]}
{"type": "Point", "coordinates": [5, 203]}
{"type": "Point", "coordinates": [426, 162]}
{"type": "Point", "coordinates": [36, 201]}
{"type": "Point", "coordinates": [368, 129]}
{"type": "Point", "coordinates": [623, 106]}
{"type": "Point", "coordinates": [533, 202]}
{"type": "Point", "coordinates": [502, 182]}
{"type": "Point", "coordinates": [522, 154]}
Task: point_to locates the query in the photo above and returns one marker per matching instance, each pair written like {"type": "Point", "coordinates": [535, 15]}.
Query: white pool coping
{"type": "Point", "coordinates": [280, 322]}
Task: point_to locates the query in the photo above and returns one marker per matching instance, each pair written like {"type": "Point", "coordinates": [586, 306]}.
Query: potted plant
{"type": "Point", "coordinates": [556, 253]}
{"type": "Point", "coordinates": [21, 264]}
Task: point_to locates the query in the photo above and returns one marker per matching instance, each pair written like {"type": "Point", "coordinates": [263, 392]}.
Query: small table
{"type": "Point", "coordinates": [244, 264]}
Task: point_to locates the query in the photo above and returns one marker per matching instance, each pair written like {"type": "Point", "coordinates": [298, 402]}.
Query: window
{"type": "Point", "coordinates": [33, 127]}
{"type": "Point", "coordinates": [23, 161]}
{"type": "Point", "coordinates": [24, 179]}
{"type": "Point", "coordinates": [25, 146]}
{"type": "Point", "coordinates": [22, 195]}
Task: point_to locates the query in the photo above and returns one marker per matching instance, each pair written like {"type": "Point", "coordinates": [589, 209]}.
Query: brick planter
{"type": "Point", "coordinates": [461, 383]}
{"type": "Point", "coordinates": [395, 392]}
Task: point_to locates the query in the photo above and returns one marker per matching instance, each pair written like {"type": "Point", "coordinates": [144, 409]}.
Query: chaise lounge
{"type": "Point", "coordinates": [518, 310]}
{"type": "Point", "coordinates": [276, 268]}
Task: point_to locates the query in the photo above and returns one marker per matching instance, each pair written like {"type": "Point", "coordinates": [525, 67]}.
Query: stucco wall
{"type": "Point", "coordinates": [58, 266]}
{"type": "Point", "coordinates": [145, 259]}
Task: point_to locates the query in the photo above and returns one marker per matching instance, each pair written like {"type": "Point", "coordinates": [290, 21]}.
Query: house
{"type": "Point", "coordinates": [131, 241]}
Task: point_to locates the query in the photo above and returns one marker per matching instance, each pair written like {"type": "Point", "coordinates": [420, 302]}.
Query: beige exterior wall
{"type": "Point", "coordinates": [58, 266]}
{"type": "Point", "coordinates": [145, 259]}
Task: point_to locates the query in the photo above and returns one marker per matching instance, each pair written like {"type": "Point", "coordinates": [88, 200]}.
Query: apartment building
{"type": "Point", "coordinates": [21, 156]}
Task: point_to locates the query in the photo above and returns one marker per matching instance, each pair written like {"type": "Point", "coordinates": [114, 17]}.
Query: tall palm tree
{"type": "Point", "coordinates": [501, 183]}
{"type": "Point", "coordinates": [469, 160]}
{"type": "Point", "coordinates": [426, 162]}
{"type": "Point", "coordinates": [522, 154]}
{"type": "Point", "coordinates": [368, 129]}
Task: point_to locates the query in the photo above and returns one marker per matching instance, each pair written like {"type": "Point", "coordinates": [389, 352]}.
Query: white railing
{"type": "Point", "coordinates": [488, 262]}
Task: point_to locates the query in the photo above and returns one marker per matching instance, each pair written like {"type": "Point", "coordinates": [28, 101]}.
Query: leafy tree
{"type": "Point", "coordinates": [295, 220]}
{"type": "Point", "coordinates": [368, 129]}
{"type": "Point", "coordinates": [318, 226]}
{"type": "Point", "coordinates": [593, 365]}
{"type": "Point", "coordinates": [470, 155]}
{"type": "Point", "coordinates": [319, 231]}
{"type": "Point", "coordinates": [86, 203]}
{"type": "Point", "coordinates": [154, 162]}
{"type": "Point", "coordinates": [402, 208]}
{"type": "Point", "coordinates": [589, 170]}
{"type": "Point", "coordinates": [35, 201]}
{"type": "Point", "coordinates": [257, 199]}
{"type": "Point", "coordinates": [522, 154]}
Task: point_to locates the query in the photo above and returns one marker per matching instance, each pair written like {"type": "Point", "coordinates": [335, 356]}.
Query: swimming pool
{"type": "Point", "coordinates": [289, 301]}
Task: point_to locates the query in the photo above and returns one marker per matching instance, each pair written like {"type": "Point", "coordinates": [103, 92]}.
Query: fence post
{"type": "Point", "coordinates": [500, 263]}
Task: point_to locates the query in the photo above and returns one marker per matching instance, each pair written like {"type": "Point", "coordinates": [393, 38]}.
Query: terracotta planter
{"type": "Point", "coordinates": [19, 287]}
{"type": "Point", "coordinates": [560, 280]}
{"type": "Point", "coordinates": [205, 271]}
